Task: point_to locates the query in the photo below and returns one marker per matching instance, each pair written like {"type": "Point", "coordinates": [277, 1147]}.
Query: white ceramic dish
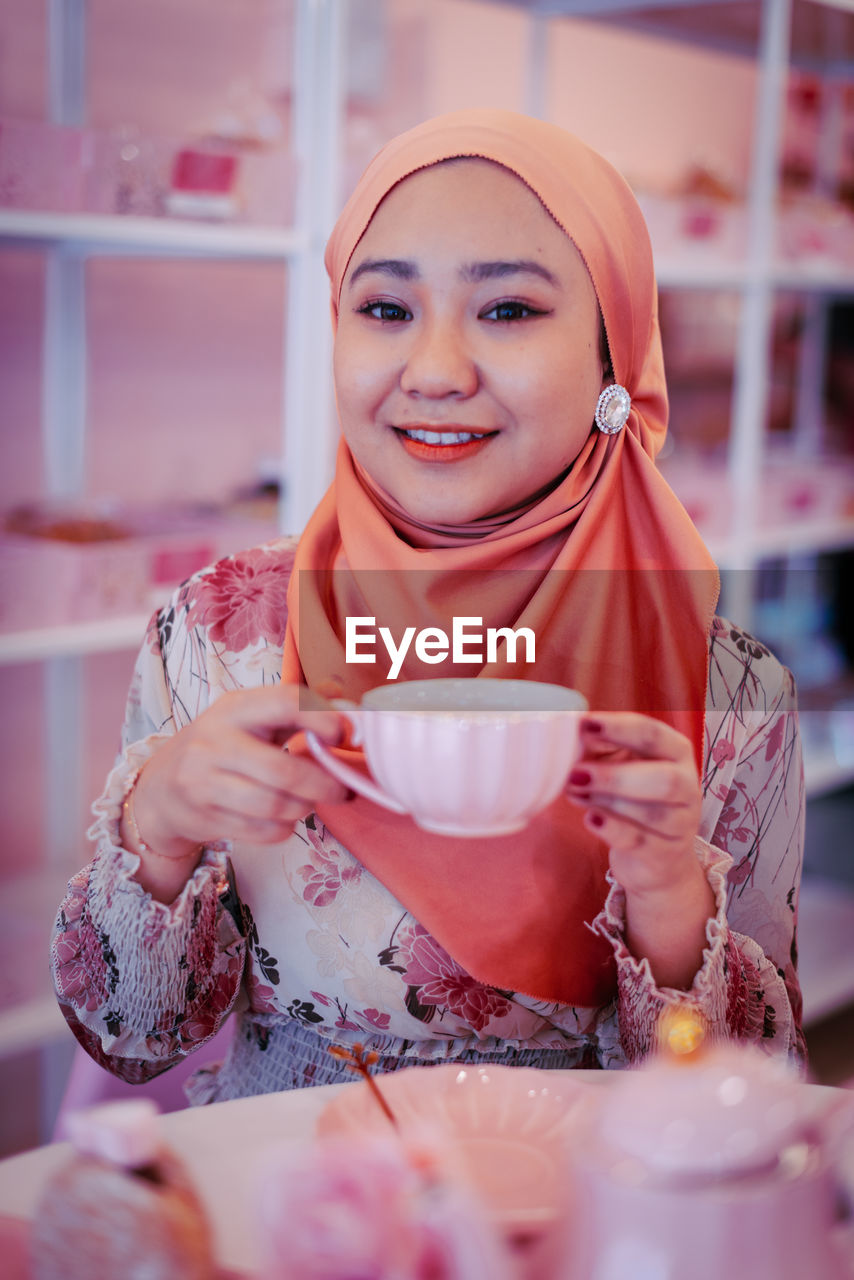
{"type": "Point", "coordinates": [508, 1128]}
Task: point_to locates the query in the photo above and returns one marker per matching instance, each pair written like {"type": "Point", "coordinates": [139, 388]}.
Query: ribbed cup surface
{"type": "Point", "coordinates": [487, 772]}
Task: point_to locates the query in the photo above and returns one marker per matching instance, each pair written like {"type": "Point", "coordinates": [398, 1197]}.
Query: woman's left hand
{"type": "Point", "coordinates": [637, 782]}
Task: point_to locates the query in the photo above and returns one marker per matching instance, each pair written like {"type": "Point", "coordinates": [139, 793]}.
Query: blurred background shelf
{"type": "Point", "coordinates": [74, 639]}
{"type": "Point", "coordinates": [105, 233]}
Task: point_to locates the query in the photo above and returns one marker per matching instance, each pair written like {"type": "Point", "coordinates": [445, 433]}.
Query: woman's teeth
{"type": "Point", "coordinates": [443, 437]}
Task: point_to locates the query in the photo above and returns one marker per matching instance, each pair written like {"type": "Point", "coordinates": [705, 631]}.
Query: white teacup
{"type": "Point", "coordinates": [463, 757]}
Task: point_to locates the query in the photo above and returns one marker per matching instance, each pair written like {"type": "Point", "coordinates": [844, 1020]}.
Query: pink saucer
{"type": "Point", "coordinates": [506, 1128]}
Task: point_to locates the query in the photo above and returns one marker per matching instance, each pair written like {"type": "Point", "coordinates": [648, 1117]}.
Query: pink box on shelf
{"type": "Point", "coordinates": [77, 569]}
{"type": "Point", "coordinates": [42, 166]}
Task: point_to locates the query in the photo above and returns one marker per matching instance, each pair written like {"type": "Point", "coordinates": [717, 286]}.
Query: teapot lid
{"type": "Point", "coordinates": [726, 1110]}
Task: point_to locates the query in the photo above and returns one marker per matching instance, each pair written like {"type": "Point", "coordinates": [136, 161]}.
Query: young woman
{"type": "Point", "coordinates": [501, 392]}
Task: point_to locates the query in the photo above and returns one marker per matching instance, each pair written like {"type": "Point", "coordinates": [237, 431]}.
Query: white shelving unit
{"type": "Point", "coordinates": [776, 34]}
{"type": "Point", "coordinates": [762, 31]}
{"type": "Point", "coordinates": [103, 234]}
{"type": "Point", "coordinates": [765, 30]}
{"type": "Point", "coordinates": [33, 1022]}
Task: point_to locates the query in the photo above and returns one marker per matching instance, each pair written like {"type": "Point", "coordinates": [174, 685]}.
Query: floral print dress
{"type": "Point", "coordinates": [308, 950]}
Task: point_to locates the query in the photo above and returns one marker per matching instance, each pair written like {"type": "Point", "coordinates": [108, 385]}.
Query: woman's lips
{"type": "Point", "coordinates": [450, 443]}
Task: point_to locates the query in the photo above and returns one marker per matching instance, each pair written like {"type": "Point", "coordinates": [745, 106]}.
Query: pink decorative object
{"type": "Point", "coordinates": [203, 184]}
{"type": "Point", "coordinates": [41, 166]}
{"type": "Point", "coordinates": [507, 1131]}
{"type": "Point", "coordinates": [122, 1205]}
{"type": "Point", "coordinates": [59, 566]}
{"type": "Point", "coordinates": [207, 171]}
{"type": "Point", "coordinates": [707, 1166]}
{"type": "Point", "coordinates": [369, 1208]}
{"type": "Point", "coordinates": [464, 757]}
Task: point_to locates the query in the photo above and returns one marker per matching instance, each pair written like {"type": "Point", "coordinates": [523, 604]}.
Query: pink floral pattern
{"type": "Point", "coordinates": [438, 980]}
{"type": "Point", "coordinates": [243, 600]}
{"type": "Point", "coordinates": [326, 947]}
{"type": "Point", "coordinates": [328, 873]}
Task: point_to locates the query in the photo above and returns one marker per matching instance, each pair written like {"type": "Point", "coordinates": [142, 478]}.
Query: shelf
{"type": "Point", "coordinates": [120, 235]}
{"type": "Point", "coordinates": [799, 537]}
{"type": "Point", "coordinates": [697, 268]}
{"type": "Point", "coordinates": [729, 26]}
{"type": "Point", "coordinates": [704, 271]}
{"type": "Point", "coordinates": [73, 639]}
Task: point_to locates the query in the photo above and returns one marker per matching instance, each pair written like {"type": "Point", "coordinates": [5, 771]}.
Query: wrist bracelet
{"type": "Point", "coordinates": [131, 823]}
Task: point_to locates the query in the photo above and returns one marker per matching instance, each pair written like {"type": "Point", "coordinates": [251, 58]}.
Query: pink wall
{"type": "Point", "coordinates": [185, 363]}
{"type": "Point", "coordinates": [653, 107]}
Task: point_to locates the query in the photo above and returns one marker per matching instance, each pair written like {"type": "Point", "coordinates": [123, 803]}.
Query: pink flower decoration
{"type": "Point", "coordinates": [262, 999]}
{"type": "Point", "coordinates": [338, 1209]}
{"type": "Point", "coordinates": [739, 873]}
{"type": "Point", "coordinates": [243, 600]}
{"type": "Point", "coordinates": [362, 1209]}
{"type": "Point", "coordinates": [441, 981]}
{"type": "Point", "coordinates": [344, 1023]}
{"type": "Point", "coordinates": [379, 1020]}
{"type": "Point", "coordinates": [722, 751]}
{"type": "Point", "coordinates": [775, 738]}
{"type": "Point", "coordinates": [324, 882]}
{"type": "Point", "coordinates": [73, 980]}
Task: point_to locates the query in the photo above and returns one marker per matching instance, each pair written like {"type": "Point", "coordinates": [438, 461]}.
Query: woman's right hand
{"type": "Point", "coordinates": [225, 777]}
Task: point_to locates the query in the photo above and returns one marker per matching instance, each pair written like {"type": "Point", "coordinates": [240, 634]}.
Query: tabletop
{"type": "Point", "coordinates": [223, 1146]}
{"type": "Point", "coordinates": [220, 1145]}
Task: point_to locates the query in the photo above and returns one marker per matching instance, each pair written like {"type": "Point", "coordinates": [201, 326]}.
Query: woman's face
{"type": "Point", "coordinates": [467, 363]}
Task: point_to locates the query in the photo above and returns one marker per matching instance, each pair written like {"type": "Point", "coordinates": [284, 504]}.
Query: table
{"type": "Point", "coordinates": [221, 1145]}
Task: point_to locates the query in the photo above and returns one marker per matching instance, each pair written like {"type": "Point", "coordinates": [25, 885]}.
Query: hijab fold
{"type": "Point", "coordinates": [606, 568]}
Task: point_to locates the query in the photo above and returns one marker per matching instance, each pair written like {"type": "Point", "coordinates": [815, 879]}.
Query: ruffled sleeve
{"type": "Point", "coordinates": [141, 983]}
{"type": "Point", "coordinates": [751, 847]}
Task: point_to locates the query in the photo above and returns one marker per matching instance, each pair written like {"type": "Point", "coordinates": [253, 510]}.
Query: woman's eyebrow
{"type": "Point", "coordinates": [472, 272]}
{"type": "Point", "coordinates": [399, 268]}
{"type": "Point", "coordinates": [475, 271]}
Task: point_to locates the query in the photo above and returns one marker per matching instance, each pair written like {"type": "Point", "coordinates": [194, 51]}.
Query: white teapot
{"type": "Point", "coordinates": [716, 1165]}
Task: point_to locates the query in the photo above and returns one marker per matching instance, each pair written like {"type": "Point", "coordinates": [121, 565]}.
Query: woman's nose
{"type": "Point", "coordinates": [439, 364]}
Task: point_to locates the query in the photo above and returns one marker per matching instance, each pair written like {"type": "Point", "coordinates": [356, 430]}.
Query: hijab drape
{"type": "Point", "coordinates": [607, 569]}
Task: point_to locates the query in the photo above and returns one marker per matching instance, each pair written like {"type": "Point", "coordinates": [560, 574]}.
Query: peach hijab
{"type": "Point", "coordinates": [606, 568]}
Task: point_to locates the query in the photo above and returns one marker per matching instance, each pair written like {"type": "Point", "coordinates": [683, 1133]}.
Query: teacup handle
{"type": "Point", "coordinates": [344, 772]}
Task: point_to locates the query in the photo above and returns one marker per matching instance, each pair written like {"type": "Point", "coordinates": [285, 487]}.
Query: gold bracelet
{"type": "Point", "coordinates": [130, 820]}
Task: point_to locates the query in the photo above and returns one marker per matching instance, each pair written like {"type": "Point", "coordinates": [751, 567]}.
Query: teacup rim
{"type": "Point", "coordinates": [577, 703]}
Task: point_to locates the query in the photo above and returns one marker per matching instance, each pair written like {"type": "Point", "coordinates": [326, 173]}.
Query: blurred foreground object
{"type": "Point", "coordinates": [122, 1206]}
{"type": "Point", "coordinates": [711, 1160]}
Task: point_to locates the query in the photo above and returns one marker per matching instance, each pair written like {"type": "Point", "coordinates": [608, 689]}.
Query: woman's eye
{"type": "Point", "coordinates": [510, 310]}
{"type": "Point", "coordinates": [387, 312]}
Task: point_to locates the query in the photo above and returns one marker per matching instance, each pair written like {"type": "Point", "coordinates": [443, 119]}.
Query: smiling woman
{"type": "Point", "coordinates": [501, 391]}
{"type": "Point", "coordinates": [467, 335]}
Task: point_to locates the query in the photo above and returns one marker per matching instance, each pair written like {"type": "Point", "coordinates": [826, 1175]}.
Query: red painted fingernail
{"type": "Point", "coordinates": [596, 819]}
{"type": "Point", "coordinates": [580, 778]}
{"type": "Point", "coordinates": [593, 726]}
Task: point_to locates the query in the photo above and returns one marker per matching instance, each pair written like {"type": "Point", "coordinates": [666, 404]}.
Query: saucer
{"type": "Point", "coordinates": [507, 1128]}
